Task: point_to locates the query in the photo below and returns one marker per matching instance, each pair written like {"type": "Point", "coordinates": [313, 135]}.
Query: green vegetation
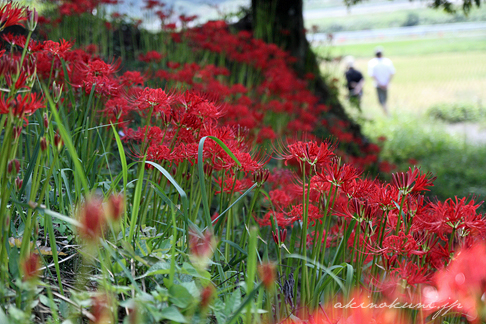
{"type": "Point", "coordinates": [457, 112]}
{"type": "Point", "coordinates": [395, 18]}
{"type": "Point", "coordinates": [458, 164]}
{"type": "Point", "coordinates": [413, 46]}
{"type": "Point", "coordinates": [438, 80]}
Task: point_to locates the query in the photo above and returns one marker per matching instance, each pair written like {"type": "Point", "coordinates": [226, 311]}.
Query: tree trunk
{"type": "Point", "coordinates": [282, 22]}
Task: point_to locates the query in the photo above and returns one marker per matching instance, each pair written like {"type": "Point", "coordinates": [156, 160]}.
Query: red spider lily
{"type": "Point", "coordinates": [21, 106]}
{"type": "Point", "coordinates": [32, 19]}
{"type": "Point", "coordinates": [130, 78]}
{"type": "Point", "coordinates": [201, 106]}
{"type": "Point", "coordinates": [260, 176]}
{"type": "Point", "coordinates": [313, 212]}
{"type": "Point", "coordinates": [279, 238]}
{"type": "Point", "coordinates": [403, 279]}
{"type": "Point", "coordinates": [92, 217]}
{"type": "Point", "coordinates": [309, 152]}
{"type": "Point", "coordinates": [31, 267]}
{"type": "Point", "coordinates": [337, 173]}
{"type": "Point", "coordinates": [105, 86]}
{"type": "Point", "coordinates": [232, 186]}
{"type": "Point", "coordinates": [18, 183]}
{"type": "Point", "coordinates": [11, 14]}
{"type": "Point", "coordinates": [464, 281]}
{"type": "Point", "coordinates": [283, 220]}
{"type": "Point", "coordinates": [453, 214]}
{"type": "Point", "coordinates": [280, 198]}
{"type": "Point", "coordinates": [98, 67]}
{"type": "Point", "coordinates": [25, 79]}
{"type": "Point", "coordinates": [404, 181]}
{"type": "Point", "coordinates": [13, 167]}
{"type": "Point", "coordinates": [158, 99]}
{"type": "Point", "coordinates": [150, 56]}
{"type": "Point", "coordinates": [58, 48]}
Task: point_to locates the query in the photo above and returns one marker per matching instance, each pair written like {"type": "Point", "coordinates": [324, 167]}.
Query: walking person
{"type": "Point", "coordinates": [381, 69]}
{"type": "Point", "coordinates": [355, 82]}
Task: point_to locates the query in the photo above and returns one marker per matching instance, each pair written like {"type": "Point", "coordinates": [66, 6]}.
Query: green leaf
{"type": "Point", "coordinates": [233, 302]}
{"type": "Point", "coordinates": [172, 314]}
{"type": "Point", "coordinates": [247, 300]}
{"type": "Point", "coordinates": [46, 302]}
{"type": "Point", "coordinates": [160, 268]}
{"type": "Point", "coordinates": [13, 262]}
{"type": "Point", "coordinates": [179, 296]}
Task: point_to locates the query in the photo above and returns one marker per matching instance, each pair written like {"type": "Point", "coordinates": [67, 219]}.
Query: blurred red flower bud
{"type": "Point", "coordinates": [31, 267]}
{"type": "Point", "coordinates": [207, 295]}
{"type": "Point", "coordinates": [13, 167]}
{"type": "Point", "coordinates": [46, 121]}
{"type": "Point", "coordinates": [43, 144]}
{"type": "Point", "coordinates": [267, 274]}
{"type": "Point", "coordinates": [115, 206]}
{"type": "Point", "coordinates": [92, 218]}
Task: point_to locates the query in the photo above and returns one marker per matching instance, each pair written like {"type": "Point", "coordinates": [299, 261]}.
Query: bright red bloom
{"type": "Point", "coordinates": [337, 173]}
{"type": "Point", "coordinates": [58, 48]}
{"type": "Point", "coordinates": [150, 56]}
{"type": "Point", "coordinates": [309, 152]}
{"type": "Point", "coordinates": [464, 281]}
{"type": "Point", "coordinates": [21, 107]}
{"type": "Point", "coordinates": [11, 14]}
{"type": "Point", "coordinates": [158, 99]}
{"type": "Point", "coordinates": [412, 181]}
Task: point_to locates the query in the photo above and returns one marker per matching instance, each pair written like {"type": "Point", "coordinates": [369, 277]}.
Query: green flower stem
{"type": "Point", "coordinates": [251, 270]}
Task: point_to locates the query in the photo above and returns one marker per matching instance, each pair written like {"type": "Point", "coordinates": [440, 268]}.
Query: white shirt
{"type": "Point", "coordinates": [381, 69]}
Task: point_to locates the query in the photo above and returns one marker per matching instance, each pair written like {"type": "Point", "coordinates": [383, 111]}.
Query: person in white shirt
{"type": "Point", "coordinates": [381, 69]}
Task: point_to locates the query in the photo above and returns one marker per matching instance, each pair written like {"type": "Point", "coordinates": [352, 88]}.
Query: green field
{"type": "Point", "coordinates": [391, 18]}
{"type": "Point", "coordinates": [429, 71]}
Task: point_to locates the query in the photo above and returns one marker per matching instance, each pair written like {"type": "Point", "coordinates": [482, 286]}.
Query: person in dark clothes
{"type": "Point", "coordinates": [355, 82]}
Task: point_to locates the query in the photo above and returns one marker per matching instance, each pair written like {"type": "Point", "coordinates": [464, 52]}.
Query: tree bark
{"type": "Point", "coordinates": [282, 22]}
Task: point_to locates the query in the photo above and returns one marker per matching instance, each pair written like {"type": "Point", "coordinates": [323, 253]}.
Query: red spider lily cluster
{"type": "Point", "coordinates": [399, 241]}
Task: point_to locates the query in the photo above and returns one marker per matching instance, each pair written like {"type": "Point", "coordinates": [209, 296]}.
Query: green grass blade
{"type": "Point", "coordinates": [78, 168]}
{"type": "Point", "coordinates": [200, 166]}
{"type": "Point", "coordinates": [66, 219]}
{"type": "Point", "coordinates": [136, 200]}
{"type": "Point", "coordinates": [181, 192]}
{"type": "Point", "coordinates": [318, 266]}
{"type": "Point", "coordinates": [52, 241]}
{"type": "Point", "coordinates": [218, 224]}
